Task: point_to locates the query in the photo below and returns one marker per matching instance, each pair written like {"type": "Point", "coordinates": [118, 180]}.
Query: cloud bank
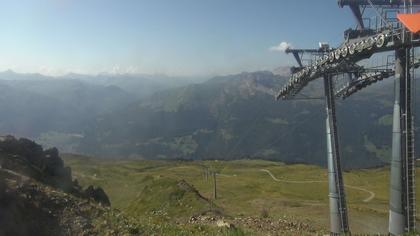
{"type": "Point", "coordinates": [281, 47]}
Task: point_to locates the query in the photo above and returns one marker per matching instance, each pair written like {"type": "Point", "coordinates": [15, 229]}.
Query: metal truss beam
{"type": "Point", "coordinates": [344, 59]}
{"type": "Point", "coordinates": [342, 3]}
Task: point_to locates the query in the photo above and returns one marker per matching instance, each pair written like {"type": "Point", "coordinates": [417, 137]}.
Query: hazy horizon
{"type": "Point", "coordinates": [282, 69]}
{"type": "Point", "coordinates": [175, 38]}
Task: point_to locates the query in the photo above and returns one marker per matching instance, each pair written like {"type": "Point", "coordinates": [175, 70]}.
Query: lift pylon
{"type": "Point", "coordinates": [386, 31]}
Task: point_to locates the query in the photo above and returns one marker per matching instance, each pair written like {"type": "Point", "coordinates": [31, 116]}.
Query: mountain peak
{"type": "Point", "coordinates": [8, 71]}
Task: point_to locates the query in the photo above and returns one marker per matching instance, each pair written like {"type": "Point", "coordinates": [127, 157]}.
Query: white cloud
{"type": "Point", "coordinates": [119, 70]}
{"type": "Point", "coordinates": [281, 47]}
{"type": "Point", "coordinates": [51, 71]}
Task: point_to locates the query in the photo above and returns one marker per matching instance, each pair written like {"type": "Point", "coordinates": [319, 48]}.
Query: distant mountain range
{"type": "Point", "coordinates": [137, 85]}
{"type": "Point", "coordinates": [236, 116]}
{"type": "Point", "coordinates": [55, 110]}
{"type": "Point", "coordinates": [227, 117]}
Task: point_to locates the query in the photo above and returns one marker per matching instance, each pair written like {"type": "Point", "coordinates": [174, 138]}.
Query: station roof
{"type": "Point", "coordinates": [410, 21]}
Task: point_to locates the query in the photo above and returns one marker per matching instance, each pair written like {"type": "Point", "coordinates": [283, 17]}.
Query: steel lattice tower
{"type": "Point", "coordinates": [398, 36]}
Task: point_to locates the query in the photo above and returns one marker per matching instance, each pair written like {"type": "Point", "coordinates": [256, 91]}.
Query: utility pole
{"type": "Point", "coordinates": [206, 173]}
{"type": "Point", "coordinates": [214, 186]}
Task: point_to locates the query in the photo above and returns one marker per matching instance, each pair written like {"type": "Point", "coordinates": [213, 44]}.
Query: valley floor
{"type": "Point", "coordinates": [247, 190]}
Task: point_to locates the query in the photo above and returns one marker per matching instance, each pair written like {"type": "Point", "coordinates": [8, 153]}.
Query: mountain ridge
{"type": "Point", "coordinates": [236, 116]}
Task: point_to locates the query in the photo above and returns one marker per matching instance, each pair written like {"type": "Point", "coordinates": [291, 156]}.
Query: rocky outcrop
{"type": "Point", "coordinates": [97, 194]}
{"type": "Point", "coordinates": [28, 207]}
{"type": "Point", "coordinates": [28, 158]}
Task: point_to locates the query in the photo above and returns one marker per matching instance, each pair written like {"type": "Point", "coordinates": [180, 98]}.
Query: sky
{"type": "Point", "coordinates": [172, 37]}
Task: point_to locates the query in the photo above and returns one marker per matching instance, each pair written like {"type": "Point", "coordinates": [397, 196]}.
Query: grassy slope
{"type": "Point", "coordinates": [245, 190]}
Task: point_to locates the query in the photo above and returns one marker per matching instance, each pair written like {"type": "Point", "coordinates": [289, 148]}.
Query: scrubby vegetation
{"type": "Point", "coordinates": [296, 204]}
{"type": "Point", "coordinates": [43, 194]}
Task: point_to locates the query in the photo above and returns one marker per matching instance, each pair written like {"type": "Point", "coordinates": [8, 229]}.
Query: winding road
{"type": "Point", "coordinates": [368, 199]}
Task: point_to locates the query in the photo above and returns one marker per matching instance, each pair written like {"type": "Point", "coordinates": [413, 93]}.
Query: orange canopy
{"type": "Point", "coordinates": [411, 21]}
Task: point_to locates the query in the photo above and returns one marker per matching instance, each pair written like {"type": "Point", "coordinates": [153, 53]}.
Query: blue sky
{"type": "Point", "coordinates": [174, 37]}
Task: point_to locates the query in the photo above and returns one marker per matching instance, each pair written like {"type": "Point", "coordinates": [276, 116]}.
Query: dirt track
{"type": "Point", "coordinates": [368, 199]}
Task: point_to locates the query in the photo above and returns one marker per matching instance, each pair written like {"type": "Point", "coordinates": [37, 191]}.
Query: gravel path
{"type": "Point", "coordinates": [368, 199]}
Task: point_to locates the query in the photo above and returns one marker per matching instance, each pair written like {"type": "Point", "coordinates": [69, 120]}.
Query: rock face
{"type": "Point", "coordinates": [52, 162]}
{"type": "Point", "coordinates": [28, 158]}
{"type": "Point", "coordinates": [39, 197]}
{"type": "Point", "coordinates": [29, 207]}
{"type": "Point", "coordinates": [26, 148]}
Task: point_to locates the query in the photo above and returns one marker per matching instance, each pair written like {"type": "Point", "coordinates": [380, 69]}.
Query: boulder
{"type": "Point", "coordinates": [97, 194]}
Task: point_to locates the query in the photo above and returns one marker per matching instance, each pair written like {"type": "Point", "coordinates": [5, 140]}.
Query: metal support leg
{"type": "Point", "coordinates": [338, 208]}
{"type": "Point", "coordinates": [402, 192]}
{"type": "Point", "coordinates": [396, 211]}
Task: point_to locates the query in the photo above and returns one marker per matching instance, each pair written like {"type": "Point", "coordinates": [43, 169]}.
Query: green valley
{"type": "Point", "coordinates": [262, 192]}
